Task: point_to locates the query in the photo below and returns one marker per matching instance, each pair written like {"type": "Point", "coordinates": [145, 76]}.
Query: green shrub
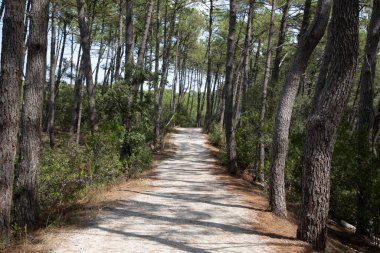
{"type": "Point", "coordinates": [216, 135]}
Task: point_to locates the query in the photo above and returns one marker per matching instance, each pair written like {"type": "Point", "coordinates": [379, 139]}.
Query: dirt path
{"type": "Point", "coordinates": [187, 208]}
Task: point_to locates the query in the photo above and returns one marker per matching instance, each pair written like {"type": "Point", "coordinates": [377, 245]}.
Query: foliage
{"type": "Point", "coordinates": [216, 135]}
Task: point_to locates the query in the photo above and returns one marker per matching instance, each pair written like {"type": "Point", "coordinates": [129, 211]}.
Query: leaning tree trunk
{"type": "Point", "coordinates": [26, 179]}
{"type": "Point", "coordinates": [144, 39]}
{"type": "Point", "coordinates": [281, 41]}
{"type": "Point", "coordinates": [119, 42]}
{"type": "Point", "coordinates": [165, 67]}
{"type": "Point", "coordinates": [280, 142]}
{"type": "Point", "coordinates": [61, 69]}
{"type": "Point", "coordinates": [246, 56]}
{"type": "Point", "coordinates": [129, 40]}
{"type": "Point", "coordinates": [86, 47]}
{"type": "Point", "coordinates": [53, 66]}
{"type": "Point", "coordinates": [260, 169]}
{"type": "Point", "coordinates": [175, 77]}
{"type": "Point", "coordinates": [323, 122]}
{"type": "Point", "coordinates": [209, 65]}
{"type": "Point", "coordinates": [229, 92]}
{"type": "Point", "coordinates": [12, 53]}
{"type": "Point", "coordinates": [365, 170]}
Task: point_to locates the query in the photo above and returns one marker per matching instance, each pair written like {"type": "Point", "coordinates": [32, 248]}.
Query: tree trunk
{"type": "Point", "coordinates": [255, 68]}
{"type": "Point", "coordinates": [119, 42]}
{"type": "Point", "coordinates": [101, 52]}
{"type": "Point", "coordinates": [86, 58]}
{"type": "Point", "coordinates": [175, 76]}
{"type": "Point", "coordinates": [60, 65]}
{"type": "Point", "coordinates": [26, 179]}
{"type": "Point", "coordinates": [229, 92]}
{"type": "Point", "coordinates": [144, 39]}
{"type": "Point", "coordinates": [246, 56]}
{"type": "Point", "coordinates": [129, 40]}
{"type": "Point", "coordinates": [280, 143]}
{"type": "Point", "coordinates": [365, 170]}
{"type": "Point", "coordinates": [53, 65]}
{"type": "Point", "coordinates": [281, 41]}
{"type": "Point", "coordinates": [12, 52]}
{"type": "Point", "coordinates": [77, 105]}
{"type": "Point", "coordinates": [209, 65]}
{"type": "Point", "coordinates": [305, 19]}
{"type": "Point", "coordinates": [199, 112]}
{"type": "Point", "coordinates": [260, 170]}
{"type": "Point", "coordinates": [165, 66]}
{"type": "Point", "coordinates": [156, 70]}
{"type": "Point", "coordinates": [323, 123]}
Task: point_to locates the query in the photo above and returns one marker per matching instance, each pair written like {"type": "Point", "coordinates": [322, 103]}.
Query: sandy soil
{"type": "Point", "coordinates": [190, 205]}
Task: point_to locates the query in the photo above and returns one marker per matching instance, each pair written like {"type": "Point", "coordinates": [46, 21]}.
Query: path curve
{"type": "Point", "coordinates": [186, 209]}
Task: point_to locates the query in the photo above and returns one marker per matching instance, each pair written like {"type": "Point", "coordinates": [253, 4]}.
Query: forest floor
{"type": "Point", "coordinates": [187, 204]}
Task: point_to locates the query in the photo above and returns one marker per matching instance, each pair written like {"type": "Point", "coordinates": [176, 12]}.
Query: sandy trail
{"type": "Point", "coordinates": [187, 208]}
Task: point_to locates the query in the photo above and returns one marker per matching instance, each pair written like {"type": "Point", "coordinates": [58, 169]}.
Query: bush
{"type": "Point", "coordinates": [216, 135]}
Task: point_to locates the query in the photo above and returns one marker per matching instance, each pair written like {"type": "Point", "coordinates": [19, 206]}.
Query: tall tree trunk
{"type": "Point", "coordinates": [86, 58]}
{"type": "Point", "coordinates": [323, 123]}
{"type": "Point", "coordinates": [144, 39]}
{"type": "Point", "coordinates": [209, 65]}
{"type": "Point", "coordinates": [119, 42]}
{"type": "Point", "coordinates": [190, 88]}
{"type": "Point", "coordinates": [255, 68]}
{"type": "Point", "coordinates": [165, 65]}
{"type": "Point", "coordinates": [229, 92]}
{"type": "Point", "coordinates": [12, 53]}
{"type": "Point", "coordinates": [175, 77]}
{"type": "Point", "coordinates": [281, 41]}
{"type": "Point", "coordinates": [305, 18]}
{"type": "Point", "coordinates": [280, 143]}
{"type": "Point", "coordinates": [26, 179]}
{"type": "Point", "coordinates": [246, 56]}
{"type": "Point", "coordinates": [365, 170]}
{"type": "Point", "coordinates": [72, 58]}
{"type": "Point", "coordinates": [101, 51]}
{"type": "Point", "coordinates": [2, 9]}
{"type": "Point", "coordinates": [77, 105]}
{"type": "Point", "coordinates": [53, 65]}
{"type": "Point", "coordinates": [60, 65]}
{"type": "Point", "coordinates": [129, 40]}
{"type": "Point", "coordinates": [156, 82]}
{"type": "Point", "coordinates": [260, 169]}
{"type": "Point", "coordinates": [199, 112]}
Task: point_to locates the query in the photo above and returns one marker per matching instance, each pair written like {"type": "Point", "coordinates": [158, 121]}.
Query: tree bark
{"type": "Point", "coordinates": [129, 40]}
{"type": "Point", "coordinates": [175, 77]}
{"type": "Point", "coordinates": [156, 71]}
{"type": "Point", "coordinates": [229, 92]}
{"type": "Point", "coordinates": [209, 65]}
{"type": "Point", "coordinates": [246, 56]}
{"type": "Point", "coordinates": [76, 112]}
{"type": "Point", "coordinates": [260, 169]}
{"type": "Point", "coordinates": [53, 66]}
{"type": "Point", "coordinates": [323, 122]}
{"type": "Point", "coordinates": [12, 52]}
{"type": "Point", "coordinates": [281, 41]}
{"type": "Point", "coordinates": [26, 179]}
{"type": "Point", "coordinates": [86, 58]}
{"type": "Point", "coordinates": [60, 65]}
{"type": "Point", "coordinates": [366, 116]}
{"type": "Point", "coordinates": [165, 66]}
{"type": "Point", "coordinates": [280, 143]}
{"type": "Point", "coordinates": [101, 51]}
{"type": "Point", "coordinates": [119, 42]}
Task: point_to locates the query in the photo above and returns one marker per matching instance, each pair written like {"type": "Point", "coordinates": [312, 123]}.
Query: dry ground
{"type": "Point", "coordinates": [188, 204]}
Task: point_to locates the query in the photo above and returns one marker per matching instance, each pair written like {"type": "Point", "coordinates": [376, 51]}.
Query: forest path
{"type": "Point", "coordinates": [188, 207]}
